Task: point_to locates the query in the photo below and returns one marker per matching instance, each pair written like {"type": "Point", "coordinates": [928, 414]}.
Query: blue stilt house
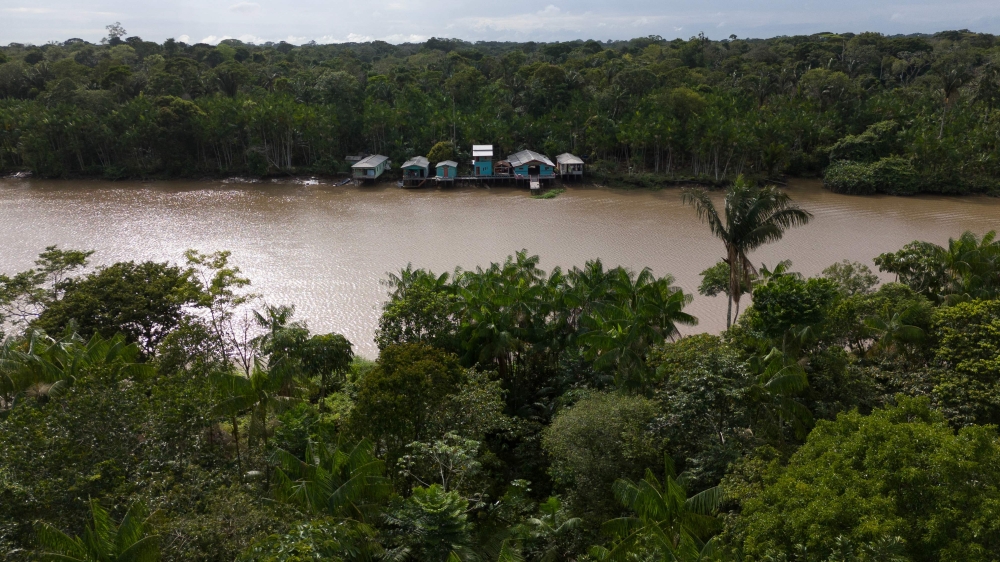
{"type": "Point", "coordinates": [482, 159]}
{"type": "Point", "coordinates": [529, 164]}
{"type": "Point", "coordinates": [447, 170]}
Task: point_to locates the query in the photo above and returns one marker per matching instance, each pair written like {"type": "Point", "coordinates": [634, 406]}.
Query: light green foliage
{"type": "Point", "coordinates": [787, 303]}
{"type": "Point", "coordinates": [876, 142]}
{"type": "Point", "coordinates": [23, 296]}
{"type": "Point", "coordinates": [968, 351]}
{"type": "Point", "coordinates": [900, 476]}
{"type": "Point", "coordinates": [549, 194]}
{"type": "Point", "coordinates": [967, 269]}
{"type": "Point", "coordinates": [448, 462]}
{"type": "Point", "coordinates": [134, 540]}
{"type": "Point", "coordinates": [891, 174]}
{"type": "Point", "coordinates": [852, 277]}
{"type": "Point", "coordinates": [715, 280]}
{"type": "Point", "coordinates": [440, 152]}
{"type": "Point", "coordinates": [599, 439]}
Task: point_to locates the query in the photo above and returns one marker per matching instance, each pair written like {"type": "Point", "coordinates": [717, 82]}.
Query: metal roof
{"type": "Point", "coordinates": [525, 156]}
{"type": "Point", "coordinates": [567, 158]}
{"type": "Point", "coordinates": [418, 161]}
{"type": "Point", "coordinates": [482, 150]}
{"type": "Point", "coordinates": [371, 161]}
{"type": "Point", "coordinates": [451, 163]}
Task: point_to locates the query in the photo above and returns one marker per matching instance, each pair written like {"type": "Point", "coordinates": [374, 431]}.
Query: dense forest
{"type": "Point", "coordinates": [165, 411]}
{"type": "Point", "coordinates": [870, 113]}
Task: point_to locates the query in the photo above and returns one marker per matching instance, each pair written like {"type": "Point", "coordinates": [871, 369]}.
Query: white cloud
{"type": "Point", "coordinates": [549, 10]}
{"type": "Point", "coordinates": [184, 39]}
{"type": "Point", "coordinates": [215, 40]}
{"type": "Point", "coordinates": [29, 10]}
{"type": "Point", "coordinates": [249, 38]}
{"type": "Point", "coordinates": [245, 7]}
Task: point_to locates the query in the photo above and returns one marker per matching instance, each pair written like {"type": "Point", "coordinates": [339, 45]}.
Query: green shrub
{"type": "Point", "coordinates": [892, 174]}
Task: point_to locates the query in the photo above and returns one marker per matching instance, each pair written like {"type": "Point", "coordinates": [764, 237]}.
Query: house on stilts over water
{"type": "Point", "coordinates": [446, 171]}
{"type": "Point", "coordinates": [533, 167]}
{"type": "Point", "coordinates": [482, 159]}
{"type": "Point", "coordinates": [570, 166]}
{"type": "Point", "coordinates": [416, 171]}
{"type": "Point", "coordinates": [370, 168]}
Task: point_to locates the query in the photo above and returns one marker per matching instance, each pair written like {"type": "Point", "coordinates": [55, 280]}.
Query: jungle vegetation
{"type": "Point", "coordinates": [157, 411]}
{"type": "Point", "coordinates": [868, 112]}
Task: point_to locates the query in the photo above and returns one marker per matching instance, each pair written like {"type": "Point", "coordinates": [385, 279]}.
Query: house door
{"type": "Point", "coordinates": [532, 170]}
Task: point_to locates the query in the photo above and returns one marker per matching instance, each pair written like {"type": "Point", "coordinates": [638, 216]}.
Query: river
{"type": "Point", "coordinates": [325, 248]}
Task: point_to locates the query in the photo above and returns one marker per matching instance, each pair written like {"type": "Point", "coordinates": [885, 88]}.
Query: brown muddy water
{"type": "Point", "coordinates": [325, 248]}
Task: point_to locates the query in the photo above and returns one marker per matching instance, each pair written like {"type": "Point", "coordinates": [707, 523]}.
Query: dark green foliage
{"type": "Point", "coordinates": [144, 301]}
{"type": "Point", "coordinates": [892, 174]}
{"type": "Point", "coordinates": [400, 399]}
{"type": "Point", "coordinates": [496, 389]}
{"type": "Point", "coordinates": [891, 114]}
{"type": "Point", "coordinates": [430, 525]}
{"type": "Point", "coordinates": [599, 439]}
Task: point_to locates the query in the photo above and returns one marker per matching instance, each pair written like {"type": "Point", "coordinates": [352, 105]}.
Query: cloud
{"type": "Point", "coordinates": [184, 39]}
{"type": "Point", "coordinates": [214, 40]}
{"type": "Point", "coordinates": [245, 8]}
{"type": "Point", "coordinates": [250, 38]}
{"type": "Point", "coordinates": [29, 10]}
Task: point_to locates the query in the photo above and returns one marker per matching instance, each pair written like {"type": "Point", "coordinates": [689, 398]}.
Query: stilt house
{"type": "Point", "coordinates": [530, 164]}
{"type": "Point", "coordinates": [416, 170]}
{"type": "Point", "coordinates": [570, 166]}
{"type": "Point", "coordinates": [446, 170]}
{"type": "Point", "coordinates": [370, 167]}
{"type": "Point", "coordinates": [482, 159]}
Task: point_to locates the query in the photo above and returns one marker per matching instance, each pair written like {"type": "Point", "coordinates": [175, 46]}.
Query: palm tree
{"type": "Point", "coordinates": [897, 332]}
{"type": "Point", "coordinates": [47, 367]}
{"type": "Point", "coordinates": [754, 216]}
{"type": "Point", "coordinates": [341, 481]}
{"type": "Point", "coordinates": [639, 311]}
{"type": "Point", "coordinates": [263, 392]}
{"type": "Point", "coordinates": [772, 394]}
{"type": "Point", "coordinates": [131, 541]}
{"type": "Point", "coordinates": [666, 525]}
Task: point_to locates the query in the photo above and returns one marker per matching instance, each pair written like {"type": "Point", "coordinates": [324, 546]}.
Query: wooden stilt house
{"type": "Point", "coordinates": [370, 168]}
{"type": "Point", "coordinates": [416, 170]}
{"type": "Point", "coordinates": [447, 170]}
{"type": "Point", "coordinates": [570, 166]}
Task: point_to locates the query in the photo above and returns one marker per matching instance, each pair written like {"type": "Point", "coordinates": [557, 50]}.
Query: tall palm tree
{"type": "Point", "coordinates": [132, 541]}
{"type": "Point", "coordinates": [754, 216]}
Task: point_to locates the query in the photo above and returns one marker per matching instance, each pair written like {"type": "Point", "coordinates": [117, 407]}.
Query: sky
{"type": "Point", "coordinates": [398, 21]}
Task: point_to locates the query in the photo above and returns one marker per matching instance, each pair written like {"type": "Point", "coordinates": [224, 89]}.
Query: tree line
{"type": "Point", "coordinates": [871, 113]}
{"type": "Point", "coordinates": [158, 411]}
